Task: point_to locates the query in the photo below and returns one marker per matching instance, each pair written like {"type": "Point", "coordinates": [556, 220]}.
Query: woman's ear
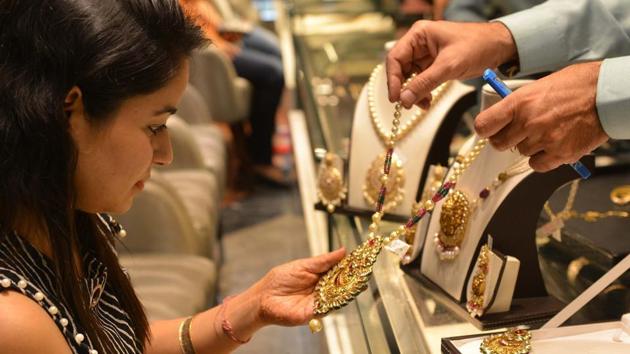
{"type": "Point", "coordinates": [73, 101]}
{"type": "Point", "coordinates": [75, 112]}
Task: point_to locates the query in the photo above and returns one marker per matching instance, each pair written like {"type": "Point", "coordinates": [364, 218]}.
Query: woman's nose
{"type": "Point", "coordinates": [162, 149]}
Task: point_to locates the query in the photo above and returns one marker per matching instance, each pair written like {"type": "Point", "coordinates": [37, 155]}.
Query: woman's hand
{"type": "Point", "coordinates": [286, 292]}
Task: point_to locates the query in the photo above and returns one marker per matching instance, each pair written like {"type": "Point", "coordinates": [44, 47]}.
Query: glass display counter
{"type": "Point", "coordinates": [397, 314]}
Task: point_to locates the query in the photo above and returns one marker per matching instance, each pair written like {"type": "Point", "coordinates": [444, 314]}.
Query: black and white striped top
{"type": "Point", "coordinates": [24, 269]}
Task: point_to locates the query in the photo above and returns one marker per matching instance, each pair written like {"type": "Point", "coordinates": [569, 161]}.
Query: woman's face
{"type": "Point", "coordinates": [115, 159]}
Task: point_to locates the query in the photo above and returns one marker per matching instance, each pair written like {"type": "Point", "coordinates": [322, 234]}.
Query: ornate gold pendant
{"type": "Point", "coordinates": [454, 217]}
{"type": "Point", "coordinates": [394, 183]}
{"type": "Point", "coordinates": [340, 285]}
{"type": "Point", "coordinates": [330, 189]}
{"type": "Point", "coordinates": [476, 301]}
{"type": "Point", "coordinates": [513, 341]}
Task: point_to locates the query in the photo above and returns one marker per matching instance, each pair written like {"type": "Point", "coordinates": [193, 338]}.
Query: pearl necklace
{"type": "Point", "coordinates": [405, 128]}
{"type": "Point", "coordinates": [399, 130]}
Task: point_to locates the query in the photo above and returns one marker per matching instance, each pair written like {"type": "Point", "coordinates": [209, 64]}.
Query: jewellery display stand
{"type": "Point", "coordinates": [428, 143]}
{"type": "Point", "coordinates": [510, 214]}
{"type": "Point", "coordinates": [500, 280]}
{"type": "Point", "coordinates": [607, 337]}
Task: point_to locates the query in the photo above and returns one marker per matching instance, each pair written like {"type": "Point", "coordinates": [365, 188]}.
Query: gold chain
{"type": "Point", "coordinates": [342, 283]}
{"type": "Point", "coordinates": [588, 216]}
{"type": "Point", "coordinates": [404, 129]}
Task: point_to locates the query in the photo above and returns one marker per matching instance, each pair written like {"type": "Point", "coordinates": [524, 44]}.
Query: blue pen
{"type": "Point", "coordinates": [499, 86]}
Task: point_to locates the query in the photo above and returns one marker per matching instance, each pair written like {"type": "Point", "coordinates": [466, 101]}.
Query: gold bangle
{"type": "Point", "coordinates": [185, 342]}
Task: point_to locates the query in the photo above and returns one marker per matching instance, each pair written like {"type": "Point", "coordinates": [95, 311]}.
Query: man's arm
{"type": "Point", "coordinates": [613, 97]}
{"type": "Point", "coordinates": [562, 32]}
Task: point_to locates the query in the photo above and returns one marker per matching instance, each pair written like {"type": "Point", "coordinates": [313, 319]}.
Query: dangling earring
{"type": "Point", "coordinates": [116, 228]}
{"type": "Point", "coordinates": [330, 189]}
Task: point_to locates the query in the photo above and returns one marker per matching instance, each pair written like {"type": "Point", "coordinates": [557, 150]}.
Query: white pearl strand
{"type": "Point", "coordinates": [405, 128]}
{"type": "Point", "coordinates": [22, 284]}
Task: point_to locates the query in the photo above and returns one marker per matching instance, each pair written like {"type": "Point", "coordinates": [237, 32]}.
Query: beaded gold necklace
{"type": "Point", "coordinates": [341, 284]}
{"type": "Point", "coordinates": [396, 180]}
{"type": "Point", "coordinates": [458, 209]}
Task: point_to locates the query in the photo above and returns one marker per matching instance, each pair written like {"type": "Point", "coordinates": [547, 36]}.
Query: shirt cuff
{"type": "Point", "coordinates": [613, 97]}
{"type": "Point", "coordinates": [539, 37]}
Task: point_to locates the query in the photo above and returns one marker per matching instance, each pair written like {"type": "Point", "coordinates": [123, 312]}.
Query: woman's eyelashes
{"type": "Point", "coordinates": [156, 129]}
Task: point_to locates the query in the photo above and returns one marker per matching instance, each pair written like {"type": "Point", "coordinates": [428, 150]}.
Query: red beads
{"type": "Point", "coordinates": [484, 193]}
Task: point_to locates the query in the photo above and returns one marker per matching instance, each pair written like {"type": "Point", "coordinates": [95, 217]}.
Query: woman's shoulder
{"type": "Point", "coordinates": [27, 328]}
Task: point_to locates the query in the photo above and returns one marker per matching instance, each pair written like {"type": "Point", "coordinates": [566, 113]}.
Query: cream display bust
{"type": "Point", "coordinates": [366, 145]}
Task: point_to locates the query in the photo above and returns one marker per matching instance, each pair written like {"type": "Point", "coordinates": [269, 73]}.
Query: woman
{"type": "Point", "coordinates": [86, 88]}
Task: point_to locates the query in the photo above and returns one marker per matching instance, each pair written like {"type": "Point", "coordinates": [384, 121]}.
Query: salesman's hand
{"type": "Point", "coordinates": [442, 51]}
{"type": "Point", "coordinates": [554, 120]}
{"type": "Point", "coordinates": [286, 292]}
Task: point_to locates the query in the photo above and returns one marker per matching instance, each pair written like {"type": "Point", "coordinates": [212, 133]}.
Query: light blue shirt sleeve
{"type": "Point", "coordinates": [483, 10]}
{"type": "Point", "coordinates": [562, 32]}
{"type": "Point", "coordinates": [613, 97]}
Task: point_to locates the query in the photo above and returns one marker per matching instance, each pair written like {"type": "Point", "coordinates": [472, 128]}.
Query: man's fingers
{"type": "Point", "coordinates": [543, 162]}
{"type": "Point", "coordinates": [495, 118]}
{"type": "Point", "coordinates": [422, 85]}
{"type": "Point", "coordinates": [400, 60]}
{"type": "Point", "coordinates": [394, 78]}
{"type": "Point", "coordinates": [529, 147]}
{"type": "Point", "coordinates": [508, 137]}
{"type": "Point", "coordinates": [324, 262]}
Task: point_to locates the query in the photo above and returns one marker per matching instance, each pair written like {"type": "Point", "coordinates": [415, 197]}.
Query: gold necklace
{"type": "Point", "coordinates": [475, 305]}
{"type": "Point", "coordinates": [372, 184]}
{"type": "Point", "coordinates": [512, 341]}
{"type": "Point", "coordinates": [433, 184]}
{"type": "Point", "coordinates": [588, 216]}
{"type": "Point", "coordinates": [343, 282]}
{"type": "Point", "coordinates": [347, 279]}
{"type": "Point", "coordinates": [459, 207]}
{"type": "Point", "coordinates": [330, 188]}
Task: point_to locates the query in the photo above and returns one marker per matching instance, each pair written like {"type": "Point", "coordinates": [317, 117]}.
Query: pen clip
{"type": "Point", "coordinates": [491, 78]}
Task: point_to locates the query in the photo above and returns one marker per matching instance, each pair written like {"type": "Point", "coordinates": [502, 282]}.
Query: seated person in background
{"type": "Point", "coordinates": [258, 60]}
{"type": "Point", "coordinates": [86, 88]}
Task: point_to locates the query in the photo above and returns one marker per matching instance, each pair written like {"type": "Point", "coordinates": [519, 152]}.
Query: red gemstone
{"type": "Point", "coordinates": [484, 193]}
{"type": "Point", "coordinates": [371, 242]}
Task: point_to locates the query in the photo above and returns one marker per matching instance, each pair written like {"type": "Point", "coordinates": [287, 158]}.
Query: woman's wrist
{"type": "Point", "coordinates": [241, 314]}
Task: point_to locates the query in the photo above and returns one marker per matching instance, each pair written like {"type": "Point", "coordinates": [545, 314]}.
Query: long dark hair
{"type": "Point", "coordinates": [112, 50]}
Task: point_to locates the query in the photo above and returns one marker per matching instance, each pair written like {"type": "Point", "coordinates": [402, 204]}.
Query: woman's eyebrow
{"type": "Point", "coordinates": [167, 109]}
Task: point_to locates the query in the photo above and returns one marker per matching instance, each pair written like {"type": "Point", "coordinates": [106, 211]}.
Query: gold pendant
{"type": "Point", "coordinates": [330, 188]}
{"type": "Point", "coordinates": [513, 341]}
{"type": "Point", "coordinates": [475, 305]}
{"type": "Point", "coordinates": [395, 183]}
{"type": "Point", "coordinates": [340, 285]}
{"type": "Point", "coordinates": [454, 217]}
{"type": "Point", "coordinates": [620, 195]}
